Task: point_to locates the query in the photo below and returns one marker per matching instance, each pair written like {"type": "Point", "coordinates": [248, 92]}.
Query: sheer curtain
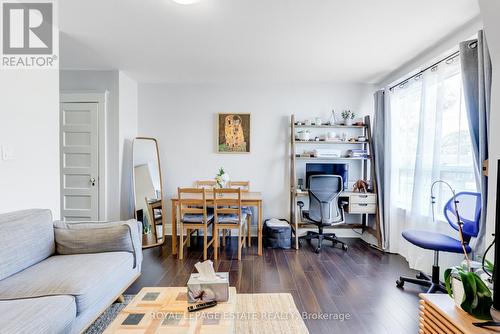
{"type": "Point", "coordinates": [429, 141]}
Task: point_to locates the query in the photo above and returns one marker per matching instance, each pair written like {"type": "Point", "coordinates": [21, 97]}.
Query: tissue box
{"type": "Point", "coordinates": [205, 291]}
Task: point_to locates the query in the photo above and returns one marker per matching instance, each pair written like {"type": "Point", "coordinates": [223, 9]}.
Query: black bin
{"type": "Point", "coordinates": [277, 233]}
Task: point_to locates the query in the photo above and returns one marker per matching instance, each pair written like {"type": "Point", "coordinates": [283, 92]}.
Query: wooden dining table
{"type": "Point", "coordinates": [248, 198]}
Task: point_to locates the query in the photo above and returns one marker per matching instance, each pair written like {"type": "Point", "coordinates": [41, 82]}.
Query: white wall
{"type": "Point", "coordinates": [183, 118]}
{"type": "Point", "coordinates": [29, 126]}
{"type": "Point", "coordinates": [128, 103]}
{"type": "Point", "coordinates": [490, 11]}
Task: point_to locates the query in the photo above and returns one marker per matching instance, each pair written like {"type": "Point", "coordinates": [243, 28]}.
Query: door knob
{"type": "Point", "coordinates": [92, 181]}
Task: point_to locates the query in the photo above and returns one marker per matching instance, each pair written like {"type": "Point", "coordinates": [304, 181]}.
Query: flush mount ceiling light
{"type": "Point", "coordinates": [186, 2]}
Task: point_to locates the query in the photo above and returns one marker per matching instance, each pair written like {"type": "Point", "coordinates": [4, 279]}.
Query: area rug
{"type": "Point", "coordinates": [108, 316]}
{"type": "Point", "coordinates": [261, 313]}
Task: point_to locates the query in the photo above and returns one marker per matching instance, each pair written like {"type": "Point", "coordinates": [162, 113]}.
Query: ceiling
{"type": "Point", "coordinates": [254, 40]}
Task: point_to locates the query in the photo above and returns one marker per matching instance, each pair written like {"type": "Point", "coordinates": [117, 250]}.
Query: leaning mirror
{"type": "Point", "coordinates": [148, 191]}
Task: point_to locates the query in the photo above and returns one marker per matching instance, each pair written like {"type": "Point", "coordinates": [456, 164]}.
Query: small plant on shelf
{"type": "Point", "coordinates": [348, 116]}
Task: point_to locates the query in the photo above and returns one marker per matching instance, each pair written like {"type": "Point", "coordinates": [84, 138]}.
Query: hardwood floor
{"type": "Point", "coordinates": [359, 282]}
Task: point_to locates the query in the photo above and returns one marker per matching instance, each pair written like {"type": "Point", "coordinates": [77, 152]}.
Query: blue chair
{"type": "Point", "coordinates": [469, 209]}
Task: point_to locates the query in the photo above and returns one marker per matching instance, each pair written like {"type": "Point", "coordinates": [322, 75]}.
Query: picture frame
{"type": "Point", "coordinates": [233, 135]}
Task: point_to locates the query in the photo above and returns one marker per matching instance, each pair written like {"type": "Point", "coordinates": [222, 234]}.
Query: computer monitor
{"type": "Point", "coordinates": [328, 169]}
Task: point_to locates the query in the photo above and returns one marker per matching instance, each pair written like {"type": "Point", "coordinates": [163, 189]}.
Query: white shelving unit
{"type": "Point", "coordinates": [366, 172]}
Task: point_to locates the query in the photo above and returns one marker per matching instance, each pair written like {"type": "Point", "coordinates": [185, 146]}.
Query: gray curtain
{"type": "Point", "coordinates": [380, 155]}
{"type": "Point", "coordinates": [476, 75]}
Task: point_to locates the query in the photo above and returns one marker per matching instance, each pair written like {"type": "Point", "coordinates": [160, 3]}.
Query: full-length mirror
{"type": "Point", "coordinates": [148, 192]}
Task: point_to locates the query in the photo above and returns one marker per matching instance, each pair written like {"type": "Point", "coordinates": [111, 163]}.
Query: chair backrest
{"type": "Point", "coordinates": [469, 209]}
{"type": "Point", "coordinates": [243, 185]}
{"type": "Point", "coordinates": [227, 201]}
{"type": "Point", "coordinates": [192, 201]}
{"type": "Point", "coordinates": [324, 191]}
{"type": "Point", "coordinates": [208, 184]}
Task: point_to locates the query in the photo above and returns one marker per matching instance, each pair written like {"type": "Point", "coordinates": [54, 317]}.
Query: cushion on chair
{"type": "Point", "coordinates": [44, 315]}
{"type": "Point", "coordinates": [434, 241]}
{"type": "Point", "coordinates": [246, 210]}
{"type": "Point", "coordinates": [231, 218]}
{"type": "Point", "coordinates": [196, 218]}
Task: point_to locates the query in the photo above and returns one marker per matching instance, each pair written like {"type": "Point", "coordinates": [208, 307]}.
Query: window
{"type": "Point", "coordinates": [430, 138]}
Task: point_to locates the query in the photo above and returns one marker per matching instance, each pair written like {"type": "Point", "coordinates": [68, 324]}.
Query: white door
{"type": "Point", "coordinates": [79, 161]}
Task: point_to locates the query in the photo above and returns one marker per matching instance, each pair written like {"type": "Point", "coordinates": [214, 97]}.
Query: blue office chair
{"type": "Point", "coordinates": [469, 209]}
{"type": "Point", "coordinates": [324, 208]}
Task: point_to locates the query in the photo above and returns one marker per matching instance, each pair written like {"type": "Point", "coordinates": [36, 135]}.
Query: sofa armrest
{"type": "Point", "coordinates": [99, 237]}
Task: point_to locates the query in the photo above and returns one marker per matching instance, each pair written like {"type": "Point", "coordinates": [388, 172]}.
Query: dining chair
{"type": "Point", "coordinates": [208, 184]}
{"type": "Point", "coordinates": [245, 187]}
{"type": "Point", "coordinates": [193, 216]}
{"type": "Point", "coordinates": [228, 215]}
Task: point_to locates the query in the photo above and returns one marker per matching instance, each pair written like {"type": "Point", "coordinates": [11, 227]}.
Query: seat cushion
{"type": "Point", "coordinates": [26, 238]}
{"type": "Point", "coordinates": [231, 219]}
{"type": "Point", "coordinates": [434, 241]}
{"type": "Point", "coordinates": [247, 210]}
{"type": "Point", "coordinates": [87, 277]}
{"type": "Point", "coordinates": [196, 218]}
{"type": "Point", "coordinates": [44, 315]}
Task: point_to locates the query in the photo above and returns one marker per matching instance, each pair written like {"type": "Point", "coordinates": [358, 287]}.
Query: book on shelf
{"type": "Point", "coordinates": [357, 153]}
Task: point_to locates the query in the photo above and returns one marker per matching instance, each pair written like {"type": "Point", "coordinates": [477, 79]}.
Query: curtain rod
{"type": "Point", "coordinates": [451, 56]}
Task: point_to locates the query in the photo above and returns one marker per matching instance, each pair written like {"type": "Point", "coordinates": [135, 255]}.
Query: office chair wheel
{"type": "Point", "coordinates": [344, 247]}
{"type": "Point", "coordinates": [317, 250]}
{"type": "Point", "coordinates": [400, 284]}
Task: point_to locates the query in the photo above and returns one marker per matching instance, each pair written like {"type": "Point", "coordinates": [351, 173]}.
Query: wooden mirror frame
{"type": "Point", "coordinates": [161, 190]}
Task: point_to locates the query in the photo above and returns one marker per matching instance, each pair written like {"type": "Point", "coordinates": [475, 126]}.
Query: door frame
{"type": "Point", "coordinates": [101, 98]}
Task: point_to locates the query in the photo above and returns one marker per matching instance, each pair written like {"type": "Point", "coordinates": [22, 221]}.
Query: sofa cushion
{"type": "Point", "coordinates": [26, 238]}
{"type": "Point", "coordinates": [50, 315]}
{"type": "Point", "coordinates": [87, 277]}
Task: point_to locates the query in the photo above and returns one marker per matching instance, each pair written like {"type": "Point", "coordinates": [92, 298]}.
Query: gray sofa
{"type": "Point", "coordinates": [58, 277]}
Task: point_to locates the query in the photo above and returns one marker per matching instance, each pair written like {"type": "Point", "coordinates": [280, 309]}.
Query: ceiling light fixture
{"type": "Point", "coordinates": [186, 2]}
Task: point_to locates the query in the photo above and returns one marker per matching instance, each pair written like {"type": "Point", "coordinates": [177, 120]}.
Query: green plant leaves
{"type": "Point", "coordinates": [477, 296]}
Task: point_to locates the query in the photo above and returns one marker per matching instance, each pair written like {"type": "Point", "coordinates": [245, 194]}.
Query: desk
{"type": "Point", "coordinates": [247, 199]}
{"type": "Point", "coordinates": [360, 203]}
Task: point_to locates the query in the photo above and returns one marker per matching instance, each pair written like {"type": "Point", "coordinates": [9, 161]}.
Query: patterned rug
{"type": "Point", "coordinates": [108, 316]}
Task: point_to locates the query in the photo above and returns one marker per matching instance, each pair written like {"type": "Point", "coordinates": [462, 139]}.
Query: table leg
{"type": "Point", "coordinates": [174, 228]}
{"type": "Point", "coordinates": [259, 224]}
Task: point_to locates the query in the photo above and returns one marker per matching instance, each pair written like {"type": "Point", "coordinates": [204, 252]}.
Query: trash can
{"type": "Point", "coordinates": [277, 233]}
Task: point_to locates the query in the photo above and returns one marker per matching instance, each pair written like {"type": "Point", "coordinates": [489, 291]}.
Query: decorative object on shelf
{"type": "Point", "coordinates": [331, 135]}
{"type": "Point", "coordinates": [222, 178]}
{"type": "Point", "coordinates": [304, 135]}
{"type": "Point", "coordinates": [359, 123]}
{"type": "Point", "coordinates": [233, 133]}
{"type": "Point", "coordinates": [361, 138]}
{"type": "Point", "coordinates": [333, 119]}
{"type": "Point", "coordinates": [360, 185]}
{"type": "Point", "coordinates": [307, 122]}
{"type": "Point", "coordinates": [318, 121]}
{"type": "Point", "coordinates": [348, 117]}
{"type": "Point", "coordinates": [300, 183]}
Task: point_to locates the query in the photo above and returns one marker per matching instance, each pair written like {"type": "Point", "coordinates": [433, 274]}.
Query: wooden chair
{"type": "Point", "coordinates": [193, 216]}
{"type": "Point", "coordinates": [245, 187]}
{"type": "Point", "coordinates": [207, 184]}
{"type": "Point", "coordinates": [228, 215]}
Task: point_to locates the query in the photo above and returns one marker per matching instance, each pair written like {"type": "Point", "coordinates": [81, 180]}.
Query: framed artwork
{"type": "Point", "coordinates": [233, 133]}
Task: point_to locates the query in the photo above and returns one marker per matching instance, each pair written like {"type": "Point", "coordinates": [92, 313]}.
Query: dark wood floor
{"type": "Point", "coordinates": [359, 282]}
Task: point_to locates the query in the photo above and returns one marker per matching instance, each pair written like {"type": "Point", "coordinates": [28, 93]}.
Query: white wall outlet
{"type": "Point", "coordinates": [7, 153]}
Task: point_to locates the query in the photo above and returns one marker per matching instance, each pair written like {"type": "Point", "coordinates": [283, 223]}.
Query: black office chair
{"type": "Point", "coordinates": [324, 209]}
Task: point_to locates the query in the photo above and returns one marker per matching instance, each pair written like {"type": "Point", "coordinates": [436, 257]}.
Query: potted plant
{"type": "Point", "coordinates": [348, 117]}
{"type": "Point", "coordinates": [469, 291]}
{"type": "Point", "coordinates": [222, 178]}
